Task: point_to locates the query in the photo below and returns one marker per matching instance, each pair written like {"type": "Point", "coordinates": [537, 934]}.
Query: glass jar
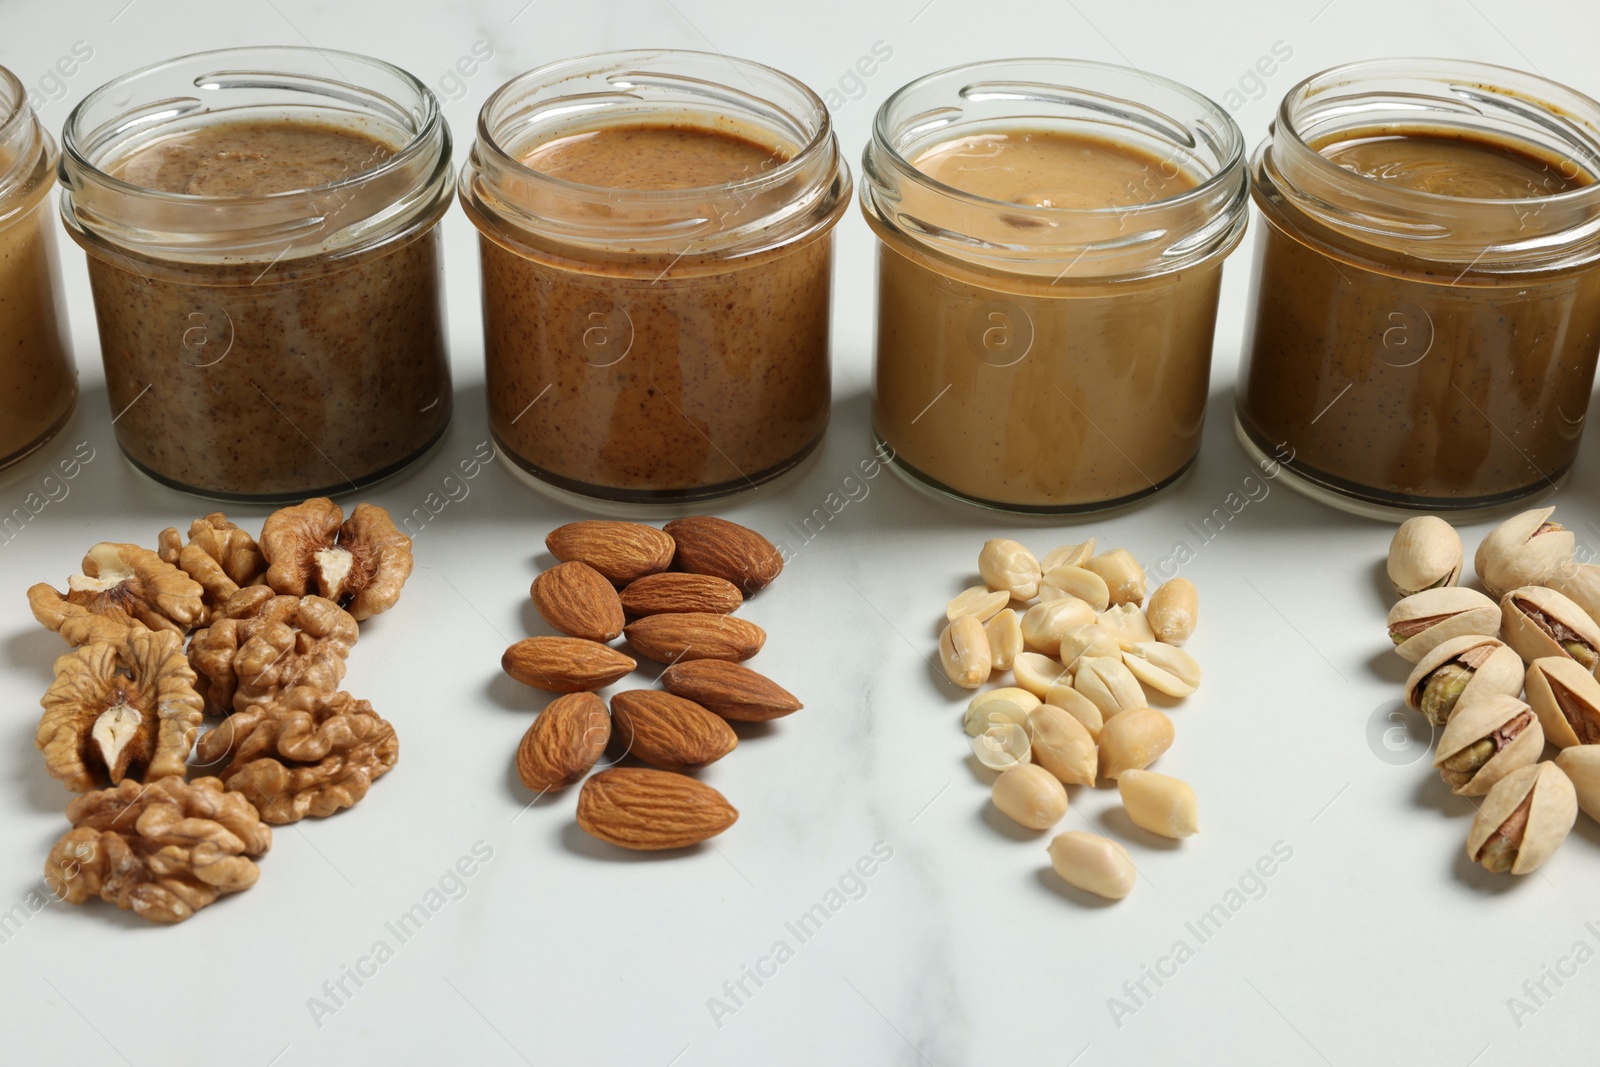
{"type": "Point", "coordinates": [1048, 350]}
{"type": "Point", "coordinates": [1411, 347]}
{"type": "Point", "coordinates": [650, 344]}
{"type": "Point", "coordinates": [38, 385]}
{"type": "Point", "coordinates": [261, 230]}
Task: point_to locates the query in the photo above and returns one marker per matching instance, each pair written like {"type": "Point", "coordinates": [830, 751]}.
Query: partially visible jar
{"type": "Point", "coordinates": [1052, 234]}
{"type": "Point", "coordinates": [1426, 314]}
{"type": "Point", "coordinates": [656, 240]}
{"type": "Point", "coordinates": [38, 384]}
{"type": "Point", "coordinates": [261, 228]}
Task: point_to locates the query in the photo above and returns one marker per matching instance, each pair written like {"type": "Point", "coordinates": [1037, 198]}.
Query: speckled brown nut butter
{"type": "Point", "coordinates": [656, 282]}
{"type": "Point", "coordinates": [1047, 281]}
{"type": "Point", "coordinates": [1426, 317]}
{"type": "Point", "coordinates": [268, 290]}
{"type": "Point", "coordinates": [38, 385]}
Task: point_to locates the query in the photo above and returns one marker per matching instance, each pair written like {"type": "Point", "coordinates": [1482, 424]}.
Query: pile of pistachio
{"type": "Point", "coordinates": [1505, 672]}
{"type": "Point", "coordinates": [1081, 644]}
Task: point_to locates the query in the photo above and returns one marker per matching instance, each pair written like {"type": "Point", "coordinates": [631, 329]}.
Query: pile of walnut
{"type": "Point", "coordinates": [268, 627]}
{"type": "Point", "coordinates": [682, 617]}
{"type": "Point", "coordinates": [1081, 653]}
{"type": "Point", "coordinates": [1505, 677]}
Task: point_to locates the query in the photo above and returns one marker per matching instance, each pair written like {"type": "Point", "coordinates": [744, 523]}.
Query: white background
{"type": "Point", "coordinates": [1375, 942]}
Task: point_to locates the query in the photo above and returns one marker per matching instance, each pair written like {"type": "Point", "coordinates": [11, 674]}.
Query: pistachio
{"type": "Point", "coordinates": [1581, 764]}
{"type": "Point", "coordinates": [1123, 576]}
{"type": "Point", "coordinates": [1008, 565]}
{"type": "Point", "coordinates": [1579, 583]}
{"type": "Point", "coordinates": [964, 652]}
{"type": "Point", "coordinates": [1036, 672]}
{"type": "Point", "coordinates": [996, 707]}
{"type": "Point", "coordinates": [1524, 819]}
{"type": "Point", "coordinates": [1159, 803]}
{"type": "Point", "coordinates": [1486, 740]}
{"type": "Point", "coordinates": [1425, 554]}
{"type": "Point", "coordinates": [1086, 585]}
{"type": "Point", "coordinates": [1067, 555]}
{"type": "Point", "coordinates": [1567, 700]}
{"type": "Point", "coordinates": [1062, 745]}
{"type": "Point", "coordinates": [1089, 640]}
{"type": "Point", "coordinates": [1109, 685]}
{"type": "Point", "coordinates": [1173, 611]}
{"type": "Point", "coordinates": [1074, 703]}
{"type": "Point", "coordinates": [1424, 621]}
{"type": "Point", "coordinates": [1002, 746]}
{"type": "Point", "coordinates": [1133, 740]}
{"type": "Point", "coordinates": [1127, 624]}
{"type": "Point", "coordinates": [1524, 550]}
{"type": "Point", "coordinates": [978, 601]}
{"type": "Point", "coordinates": [1540, 622]}
{"type": "Point", "coordinates": [1005, 639]}
{"type": "Point", "coordinates": [1045, 623]}
{"type": "Point", "coordinates": [1093, 863]}
{"type": "Point", "coordinates": [1164, 668]}
{"type": "Point", "coordinates": [1459, 671]}
{"type": "Point", "coordinates": [1030, 795]}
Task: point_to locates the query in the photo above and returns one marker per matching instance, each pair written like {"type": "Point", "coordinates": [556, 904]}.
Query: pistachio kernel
{"type": "Point", "coordinates": [1443, 688]}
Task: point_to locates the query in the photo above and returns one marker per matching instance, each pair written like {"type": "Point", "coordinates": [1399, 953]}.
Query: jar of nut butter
{"type": "Point", "coordinates": [656, 241]}
{"type": "Point", "coordinates": [1051, 238]}
{"type": "Point", "coordinates": [38, 385]}
{"type": "Point", "coordinates": [1426, 309]}
{"type": "Point", "coordinates": [261, 230]}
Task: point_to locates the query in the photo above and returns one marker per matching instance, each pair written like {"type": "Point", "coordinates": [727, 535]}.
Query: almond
{"type": "Point", "coordinates": [563, 742]}
{"type": "Point", "coordinates": [565, 664]}
{"type": "Point", "coordinates": [708, 545]}
{"type": "Point", "coordinates": [578, 600]}
{"type": "Point", "coordinates": [660, 594]}
{"type": "Point", "coordinates": [694, 635]}
{"type": "Point", "coordinates": [643, 809]}
{"type": "Point", "coordinates": [622, 551]}
{"type": "Point", "coordinates": [733, 691]}
{"type": "Point", "coordinates": [668, 731]}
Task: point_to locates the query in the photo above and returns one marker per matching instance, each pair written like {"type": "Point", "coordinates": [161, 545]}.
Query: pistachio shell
{"type": "Point", "coordinates": [1164, 668]}
{"type": "Point", "coordinates": [1559, 689]}
{"type": "Point", "coordinates": [1581, 763]}
{"type": "Point", "coordinates": [1450, 612]}
{"type": "Point", "coordinates": [1109, 684]}
{"type": "Point", "coordinates": [1501, 672]}
{"type": "Point", "coordinates": [1520, 625]}
{"type": "Point", "coordinates": [1524, 550]}
{"type": "Point", "coordinates": [1479, 721]}
{"type": "Point", "coordinates": [1425, 554]}
{"type": "Point", "coordinates": [1062, 745]}
{"type": "Point", "coordinates": [1550, 816]}
{"type": "Point", "coordinates": [1579, 583]}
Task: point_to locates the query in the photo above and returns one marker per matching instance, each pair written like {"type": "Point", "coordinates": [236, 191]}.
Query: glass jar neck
{"type": "Point", "coordinates": [405, 192]}
{"type": "Point", "coordinates": [27, 154]}
{"type": "Point", "coordinates": [1495, 105]}
{"type": "Point", "coordinates": [526, 208]}
{"type": "Point", "coordinates": [1181, 131]}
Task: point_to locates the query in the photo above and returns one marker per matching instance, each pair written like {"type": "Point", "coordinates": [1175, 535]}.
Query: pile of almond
{"type": "Point", "coordinates": [1082, 646]}
{"type": "Point", "coordinates": [680, 584]}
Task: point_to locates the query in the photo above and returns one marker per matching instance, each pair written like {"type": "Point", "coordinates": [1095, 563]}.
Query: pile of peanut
{"type": "Point", "coordinates": [1082, 646]}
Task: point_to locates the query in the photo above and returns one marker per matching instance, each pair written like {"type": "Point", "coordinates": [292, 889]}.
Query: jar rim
{"type": "Point", "coordinates": [1207, 187]}
{"type": "Point", "coordinates": [420, 141]}
{"type": "Point", "coordinates": [821, 133]}
{"type": "Point", "coordinates": [1346, 74]}
{"type": "Point", "coordinates": [13, 102]}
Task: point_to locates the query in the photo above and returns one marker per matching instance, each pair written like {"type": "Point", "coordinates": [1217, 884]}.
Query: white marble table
{"type": "Point", "coordinates": [1324, 915]}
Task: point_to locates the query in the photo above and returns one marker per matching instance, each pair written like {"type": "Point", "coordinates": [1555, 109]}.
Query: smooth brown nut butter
{"type": "Point", "coordinates": [1047, 285]}
{"type": "Point", "coordinates": [656, 282]}
{"type": "Point", "coordinates": [1426, 317]}
{"type": "Point", "coordinates": [281, 334]}
{"type": "Point", "coordinates": [38, 385]}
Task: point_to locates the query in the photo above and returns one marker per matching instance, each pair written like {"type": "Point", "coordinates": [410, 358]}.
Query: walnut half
{"type": "Point", "coordinates": [121, 587]}
{"type": "Point", "coordinates": [124, 710]}
{"type": "Point", "coordinates": [163, 850]}
{"type": "Point", "coordinates": [264, 644]}
{"type": "Point", "coordinates": [307, 752]}
{"type": "Point", "coordinates": [220, 556]}
{"type": "Point", "coordinates": [359, 563]}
